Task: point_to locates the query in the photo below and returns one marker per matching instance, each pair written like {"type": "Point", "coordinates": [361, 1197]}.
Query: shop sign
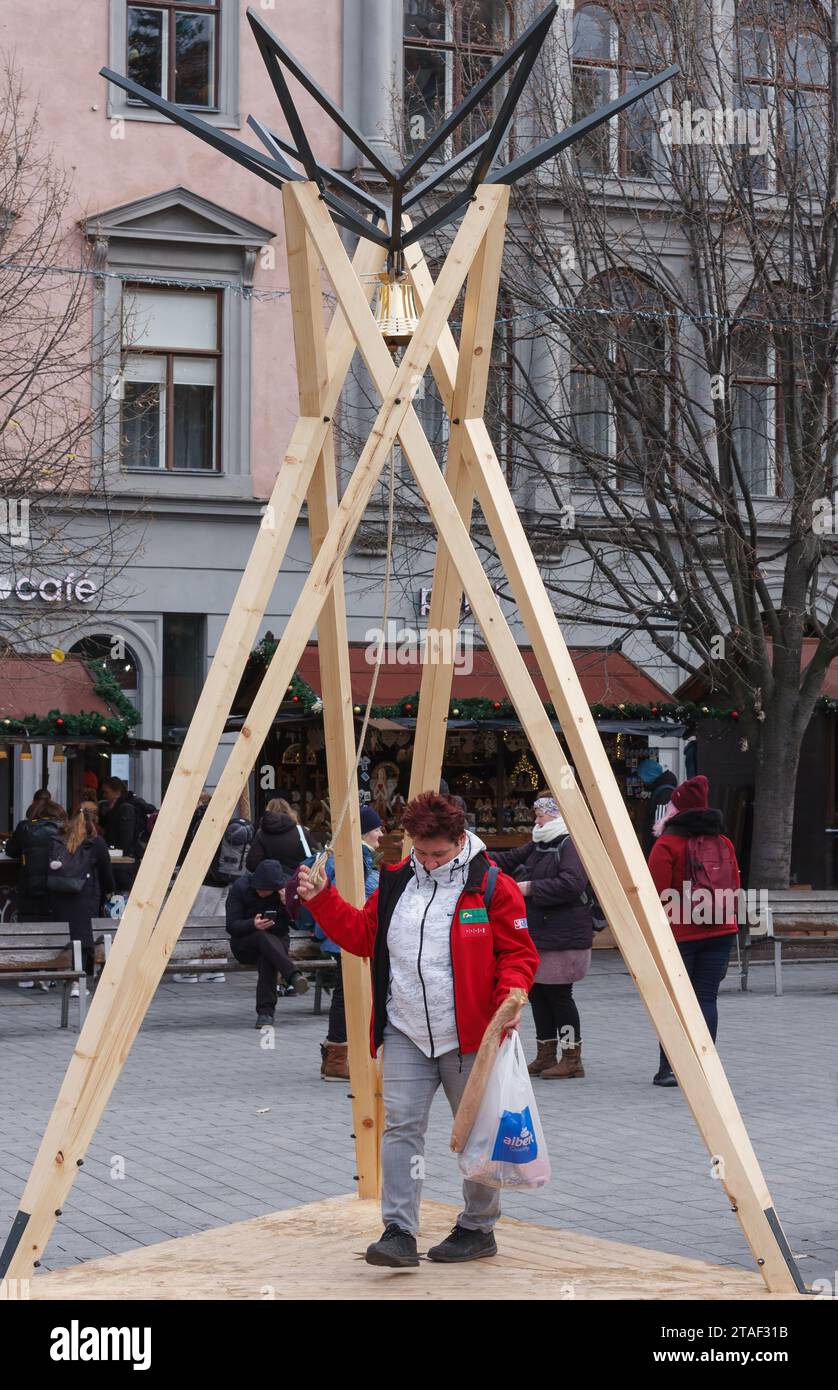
{"type": "Point", "coordinates": [48, 588]}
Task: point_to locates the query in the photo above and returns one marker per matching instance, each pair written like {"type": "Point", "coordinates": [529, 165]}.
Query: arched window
{"type": "Point", "coordinates": [114, 655]}
{"type": "Point", "coordinates": [615, 47]}
{"type": "Point", "coordinates": [621, 350]}
{"type": "Point", "coordinates": [782, 49]}
{"type": "Point", "coordinates": [448, 46]}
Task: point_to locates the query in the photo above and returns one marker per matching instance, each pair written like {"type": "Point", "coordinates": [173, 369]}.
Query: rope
{"type": "Point", "coordinates": [352, 788]}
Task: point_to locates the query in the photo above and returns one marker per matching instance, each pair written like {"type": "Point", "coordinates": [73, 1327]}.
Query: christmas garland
{"type": "Point", "coordinates": [298, 692]}
{"type": "Point", "coordinates": [115, 728]}
{"type": "Point", "coordinates": [477, 708]}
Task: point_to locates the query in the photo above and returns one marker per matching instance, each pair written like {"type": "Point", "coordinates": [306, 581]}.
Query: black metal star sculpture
{"type": "Point", "coordinates": [336, 188]}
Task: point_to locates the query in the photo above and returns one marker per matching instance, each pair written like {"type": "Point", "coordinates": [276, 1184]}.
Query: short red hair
{"type": "Point", "coordinates": [431, 815]}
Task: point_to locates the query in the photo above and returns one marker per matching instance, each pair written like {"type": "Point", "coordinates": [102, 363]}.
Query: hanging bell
{"type": "Point", "coordinates": [4, 752]}
{"type": "Point", "coordinates": [395, 308]}
{"type": "Point", "coordinates": [58, 753]}
{"type": "Point", "coordinates": [25, 753]}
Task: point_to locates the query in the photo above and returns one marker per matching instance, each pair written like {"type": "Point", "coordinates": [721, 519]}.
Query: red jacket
{"type": "Point", "coordinates": [486, 963]}
{"type": "Point", "coordinates": [669, 865]}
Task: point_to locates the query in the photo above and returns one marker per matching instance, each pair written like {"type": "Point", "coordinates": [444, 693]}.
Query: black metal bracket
{"type": "Point", "coordinates": [785, 1249]}
{"type": "Point", "coordinates": [335, 187]}
{"type": "Point", "coordinates": [13, 1240]}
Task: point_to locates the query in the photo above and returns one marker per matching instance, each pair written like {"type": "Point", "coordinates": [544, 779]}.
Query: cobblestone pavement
{"type": "Point", "coordinates": [207, 1127]}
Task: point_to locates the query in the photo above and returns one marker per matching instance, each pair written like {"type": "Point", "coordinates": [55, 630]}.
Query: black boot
{"type": "Point", "coordinates": [463, 1244]}
{"type": "Point", "coordinates": [664, 1075]}
{"type": "Point", "coordinates": [396, 1249]}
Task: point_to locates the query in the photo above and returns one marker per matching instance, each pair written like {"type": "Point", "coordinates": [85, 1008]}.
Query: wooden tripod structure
{"type": "Point", "coordinates": [594, 811]}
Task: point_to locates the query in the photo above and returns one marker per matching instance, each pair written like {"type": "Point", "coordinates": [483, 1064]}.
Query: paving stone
{"type": "Point", "coordinates": [628, 1164]}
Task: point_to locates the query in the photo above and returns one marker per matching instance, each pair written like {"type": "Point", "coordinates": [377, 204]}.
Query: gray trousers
{"type": "Point", "coordinates": [410, 1082]}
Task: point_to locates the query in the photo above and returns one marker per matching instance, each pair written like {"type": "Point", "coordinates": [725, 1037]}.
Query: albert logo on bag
{"type": "Point", "coordinates": [515, 1141]}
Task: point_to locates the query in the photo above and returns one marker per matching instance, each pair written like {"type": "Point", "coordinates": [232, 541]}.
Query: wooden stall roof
{"type": "Point", "coordinates": [607, 677]}
{"type": "Point", "coordinates": [37, 684]}
{"type": "Point", "coordinates": [697, 686]}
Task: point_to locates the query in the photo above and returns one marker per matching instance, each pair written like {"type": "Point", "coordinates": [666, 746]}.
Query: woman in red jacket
{"type": "Point", "coordinates": [695, 871]}
{"type": "Point", "coordinates": [447, 934]}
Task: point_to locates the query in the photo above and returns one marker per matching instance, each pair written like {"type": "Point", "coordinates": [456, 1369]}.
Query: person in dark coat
{"type": "Point", "coordinates": [262, 940]}
{"type": "Point", "coordinates": [120, 821]}
{"type": "Point", "coordinates": [279, 837]}
{"type": "Point", "coordinates": [83, 841]}
{"type": "Point", "coordinates": [660, 786]}
{"type": "Point", "coordinates": [704, 931]}
{"type": "Point", "coordinates": [550, 875]}
{"type": "Point", "coordinates": [29, 843]}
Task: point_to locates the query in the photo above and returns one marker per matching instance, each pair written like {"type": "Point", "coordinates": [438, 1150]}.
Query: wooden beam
{"type": "Point", "coordinates": [609, 810]}
{"type": "Point", "coordinates": [745, 1186]}
{"type": "Point", "coordinates": [127, 983]}
{"type": "Point", "coordinates": [621, 843]}
{"type": "Point", "coordinates": [338, 722]}
{"type": "Point", "coordinates": [466, 398]}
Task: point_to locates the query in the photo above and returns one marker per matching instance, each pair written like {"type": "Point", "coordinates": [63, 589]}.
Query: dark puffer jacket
{"type": "Point", "coordinates": [278, 837]}
{"type": "Point", "coordinates": [557, 917]}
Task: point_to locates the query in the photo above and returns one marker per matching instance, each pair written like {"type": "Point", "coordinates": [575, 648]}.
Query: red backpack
{"type": "Point", "coordinates": [712, 867]}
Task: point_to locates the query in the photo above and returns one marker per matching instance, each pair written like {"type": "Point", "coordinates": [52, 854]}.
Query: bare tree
{"type": "Point", "coordinates": [674, 361]}
{"type": "Point", "coordinates": [54, 505]}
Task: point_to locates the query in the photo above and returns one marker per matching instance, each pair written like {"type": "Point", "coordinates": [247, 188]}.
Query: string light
{"type": "Point", "coordinates": [555, 313]}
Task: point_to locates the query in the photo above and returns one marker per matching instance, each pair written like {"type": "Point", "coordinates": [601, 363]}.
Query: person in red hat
{"type": "Point", "coordinates": [694, 868]}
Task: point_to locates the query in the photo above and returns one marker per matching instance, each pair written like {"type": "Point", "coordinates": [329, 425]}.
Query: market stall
{"type": "Point", "coordinates": [488, 760]}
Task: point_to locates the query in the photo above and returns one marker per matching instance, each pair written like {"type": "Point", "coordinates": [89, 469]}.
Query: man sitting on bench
{"type": "Point", "coordinates": [258, 927]}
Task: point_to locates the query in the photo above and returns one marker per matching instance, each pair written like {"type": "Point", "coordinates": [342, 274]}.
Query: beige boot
{"type": "Point", "coordinates": [545, 1057]}
{"type": "Point", "coordinates": [335, 1063]}
{"type": "Point", "coordinates": [570, 1065]}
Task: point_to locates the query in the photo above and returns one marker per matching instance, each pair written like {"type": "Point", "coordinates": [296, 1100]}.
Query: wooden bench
{"type": "Point", "coordinates": [43, 951]}
{"type": "Point", "coordinates": [785, 916]}
{"type": "Point", "coordinates": [204, 945]}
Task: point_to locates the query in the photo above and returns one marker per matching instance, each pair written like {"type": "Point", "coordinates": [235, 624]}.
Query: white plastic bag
{"type": "Point", "coordinates": [506, 1146]}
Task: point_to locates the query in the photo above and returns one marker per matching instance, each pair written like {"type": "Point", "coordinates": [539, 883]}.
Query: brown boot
{"type": "Point", "coordinates": [545, 1057]}
{"type": "Point", "coordinates": [335, 1063]}
{"type": "Point", "coordinates": [570, 1065]}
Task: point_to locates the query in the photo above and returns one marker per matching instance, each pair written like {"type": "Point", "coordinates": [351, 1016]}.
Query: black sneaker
{"type": "Point", "coordinates": [298, 982]}
{"type": "Point", "coordinates": [264, 1021]}
{"type": "Point", "coordinates": [664, 1077]}
{"type": "Point", "coordinates": [463, 1244]}
{"type": "Point", "coordinates": [396, 1249]}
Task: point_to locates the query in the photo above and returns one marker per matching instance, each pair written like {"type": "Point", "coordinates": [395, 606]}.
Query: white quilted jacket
{"type": "Point", "coordinates": [420, 1000]}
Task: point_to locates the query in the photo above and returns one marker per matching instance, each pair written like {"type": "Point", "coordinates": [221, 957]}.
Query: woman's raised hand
{"type": "Point", "coordinates": [305, 888]}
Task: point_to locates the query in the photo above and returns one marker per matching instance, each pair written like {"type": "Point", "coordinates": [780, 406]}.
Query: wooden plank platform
{"type": "Point", "coordinates": [316, 1252]}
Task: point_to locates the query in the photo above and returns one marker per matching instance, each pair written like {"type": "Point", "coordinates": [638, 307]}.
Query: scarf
{"type": "Point", "coordinates": [551, 830]}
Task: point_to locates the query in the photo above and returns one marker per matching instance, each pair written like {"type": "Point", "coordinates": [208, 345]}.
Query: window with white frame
{"type": "Point", "coordinates": [172, 48]}
{"type": "Point", "coordinates": [621, 354]}
{"type": "Point", "coordinates": [615, 47]}
{"type": "Point", "coordinates": [448, 46]}
{"type": "Point", "coordinates": [782, 67]}
{"type": "Point", "coordinates": [170, 379]}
